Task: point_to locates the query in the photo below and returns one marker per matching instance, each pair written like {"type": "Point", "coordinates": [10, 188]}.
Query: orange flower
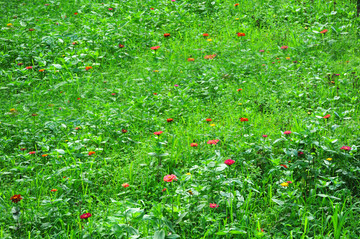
{"type": "Point", "coordinates": [210, 56]}
{"type": "Point", "coordinates": [91, 153]}
{"type": "Point", "coordinates": [88, 68]}
{"type": "Point", "coordinates": [170, 120]}
{"type": "Point", "coordinates": [124, 131]}
{"type": "Point", "coordinates": [154, 48]}
{"type": "Point", "coordinates": [166, 34]}
{"type": "Point", "coordinates": [121, 46]}
{"type": "Point", "coordinates": [327, 116]}
{"type": "Point", "coordinates": [44, 155]}
{"type": "Point", "coordinates": [125, 185]}
{"type": "Point", "coordinates": [16, 198]}
{"type": "Point", "coordinates": [237, 4]}
{"type": "Point", "coordinates": [191, 59]}
{"type": "Point", "coordinates": [41, 70]}
{"type": "Point", "coordinates": [208, 120]}
{"type": "Point", "coordinates": [53, 190]}
{"type": "Point", "coordinates": [205, 35]}
{"type": "Point", "coordinates": [240, 34]}
{"type": "Point", "coordinates": [193, 145]}
{"type": "Point", "coordinates": [239, 89]}
{"type": "Point", "coordinates": [324, 31]}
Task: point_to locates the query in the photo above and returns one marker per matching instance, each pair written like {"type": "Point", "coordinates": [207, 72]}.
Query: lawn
{"type": "Point", "coordinates": [179, 119]}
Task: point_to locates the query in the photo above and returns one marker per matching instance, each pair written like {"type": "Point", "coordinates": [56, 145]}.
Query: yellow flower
{"type": "Point", "coordinates": [329, 159]}
{"type": "Point", "coordinates": [237, 18]}
{"type": "Point", "coordinates": [284, 184]}
{"type": "Point", "coordinates": [66, 140]}
{"type": "Point", "coordinates": [306, 28]}
{"type": "Point", "coordinates": [9, 24]}
{"type": "Point", "coordinates": [240, 103]}
{"type": "Point", "coordinates": [51, 105]}
{"type": "Point", "coordinates": [209, 39]}
{"type": "Point", "coordinates": [156, 71]}
{"type": "Point", "coordinates": [212, 124]}
{"type": "Point", "coordinates": [188, 173]}
{"type": "Point", "coordinates": [309, 113]}
{"type": "Point", "coordinates": [288, 58]}
{"type": "Point", "coordinates": [12, 110]}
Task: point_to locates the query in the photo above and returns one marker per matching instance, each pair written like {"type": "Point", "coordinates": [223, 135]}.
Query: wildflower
{"type": "Point", "coordinates": [85, 216]}
{"type": "Point", "coordinates": [78, 98]}
{"type": "Point", "coordinates": [213, 205]}
{"type": "Point", "coordinates": [261, 50]}
{"type": "Point", "coordinates": [289, 182]}
{"type": "Point", "coordinates": [125, 185]}
{"type": "Point", "coordinates": [28, 67]}
{"type": "Point", "coordinates": [170, 178]}
{"type": "Point", "coordinates": [121, 46]}
{"type": "Point", "coordinates": [239, 89]}
{"type": "Point", "coordinates": [154, 48]}
{"type": "Point", "coordinates": [113, 93]}
{"type": "Point", "coordinates": [124, 131]}
{"type": "Point", "coordinates": [16, 198]}
{"type": "Point", "coordinates": [53, 190]}
{"type": "Point", "coordinates": [9, 24]}
{"type": "Point", "coordinates": [240, 34]}
{"type": "Point", "coordinates": [77, 128]}
{"type": "Point", "coordinates": [287, 132]}
{"type": "Point", "coordinates": [44, 155]}
{"type": "Point", "coordinates": [205, 35]}
{"type": "Point", "coordinates": [346, 148]}
{"type": "Point", "coordinates": [214, 142]}
{"type": "Point", "coordinates": [229, 162]}
{"type": "Point", "coordinates": [237, 19]}
{"type": "Point", "coordinates": [327, 116]}
{"type": "Point", "coordinates": [209, 39]}
{"type": "Point", "coordinates": [287, 58]}
{"type": "Point", "coordinates": [158, 133]}
{"type": "Point", "coordinates": [329, 159]}
{"type": "Point", "coordinates": [154, 93]}
{"type": "Point", "coordinates": [188, 173]}
{"type": "Point", "coordinates": [164, 189]}
{"type": "Point", "coordinates": [155, 71]}
{"type": "Point", "coordinates": [75, 13]}
{"type": "Point", "coordinates": [212, 125]}
{"type": "Point", "coordinates": [244, 119]}
{"type": "Point", "coordinates": [176, 85]}
{"type": "Point", "coordinates": [284, 47]}
{"type": "Point", "coordinates": [23, 149]}
{"type": "Point", "coordinates": [110, 9]}
{"type": "Point", "coordinates": [41, 70]}
{"type": "Point", "coordinates": [91, 153]}
{"type": "Point", "coordinates": [170, 120]}
{"type": "Point", "coordinates": [191, 59]}
{"type": "Point", "coordinates": [166, 34]}
{"type": "Point", "coordinates": [190, 192]}
{"type": "Point", "coordinates": [283, 165]}
{"type": "Point", "coordinates": [88, 68]}
{"type": "Point", "coordinates": [295, 62]}
{"type": "Point", "coordinates": [284, 184]}
{"type": "Point", "coordinates": [31, 29]}
{"type": "Point", "coordinates": [240, 103]}
{"type": "Point", "coordinates": [324, 31]}
{"type": "Point", "coordinates": [237, 4]}
{"type": "Point", "coordinates": [193, 145]}
{"type": "Point", "coordinates": [20, 64]}
{"type": "Point", "coordinates": [34, 115]}
{"type": "Point", "coordinates": [210, 56]}
{"type": "Point", "coordinates": [300, 153]}
{"type": "Point", "coordinates": [152, 8]}
{"type": "Point", "coordinates": [32, 152]}
{"type": "Point", "coordinates": [47, 4]}
{"type": "Point", "coordinates": [264, 136]}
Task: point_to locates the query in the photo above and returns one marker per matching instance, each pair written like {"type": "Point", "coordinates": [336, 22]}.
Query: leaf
{"type": "Point", "coordinates": [182, 215]}
{"type": "Point", "coordinates": [60, 151]}
{"type": "Point", "coordinates": [279, 202]}
{"type": "Point", "coordinates": [221, 168]}
{"type": "Point", "coordinates": [57, 66]}
{"type": "Point", "coordinates": [159, 235]}
{"type": "Point", "coordinates": [172, 236]}
{"type": "Point", "coordinates": [238, 231]}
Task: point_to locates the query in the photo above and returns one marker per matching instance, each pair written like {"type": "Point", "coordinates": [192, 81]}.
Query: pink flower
{"type": "Point", "coordinates": [170, 178]}
{"type": "Point", "coordinates": [110, 9]}
{"type": "Point", "coordinates": [193, 145]}
{"type": "Point", "coordinates": [264, 136]}
{"type": "Point", "coordinates": [28, 67]}
{"type": "Point", "coordinates": [287, 132]}
{"type": "Point", "coordinates": [155, 48]}
{"type": "Point", "coordinates": [300, 153]}
{"type": "Point", "coordinates": [229, 162]}
{"type": "Point", "coordinates": [261, 51]}
{"type": "Point", "coordinates": [32, 152]}
{"type": "Point", "coordinates": [346, 148]}
{"type": "Point", "coordinates": [213, 205]}
{"type": "Point", "coordinates": [176, 85]}
{"type": "Point", "coordinates": [85, 216]}
{"type": "Point", "coordinates": [125, 185]}
{"type": "Point", "coordinates": [158, 133]}
{"type": "Point", "coordinates": [214, 142]}
{"type": "Point", "coordinates": [289, 182]}
{"type": "Point", "coordinates": [113, 93]}
{"type": "Point", "coordinates": [284, 47]}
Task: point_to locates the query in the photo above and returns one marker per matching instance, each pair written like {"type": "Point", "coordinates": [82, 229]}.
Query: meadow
{"type": "Point", "coordinates": [179, 119]}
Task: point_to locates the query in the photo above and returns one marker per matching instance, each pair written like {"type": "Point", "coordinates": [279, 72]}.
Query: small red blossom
{"type": "Point", "coordinates": [193, 145]}
{"type": "Point", "coordinates": [205, 35]}
{"type": "Point", "coordinates": [237, 4]}
{"type": "Point", "coordinates": [346, 148]}
{"type": "Point", "coordinates": [124, 131]}
{"type": "Point", "coordinates": [53, 190]}
{"type": "Point", "coordinates": [170, 120]}
{"type": "Point", "coordinates": [214, 141]}
{"type": "Point", "coordinates": [239, 89]}
{"type": "Point", "coordinates": [287, 132]}
{"type": "Point", "coordinates": [283, 165]}
{"type": "Point", "coordinates": [244, 119]}
{"type": "Point", "coordinates": [31, 29]}
{"type": "Point", "coordinates": [34, 114]}
{"type": "Point", "coordinates": [85, 216]}
{"type": "Point", "coordinates": [125, 185]}
{"type": "Point", "coordinates": [289, 182]}
{"type": "Point", "coordinates": [240, 34]}
{"type": "Point", "coordinates": [75, 13]}
{"type": "Point", "coordinates": [284, 47]}
{"type": "Point", "coordinates": [166, 34]}
{"type": "Point", "coordinates": [23, 149]}
{"type": "Point", "coordinates": [213, 205]}
{"type": "Point", "coordinates": [208, 120]}
{"type": "Point", "coordinates": [163, 190]}
{"type": "Point", "coordinates": [16, 198]}
{"type": "Point", "coordinates": [121, 46]}
{"type": "Point", "coordinates": [32, 152]}
{"type": "Point", "coordinates": [44, 155]}
{"type": "Point", "coordinates": [264, 136]}
{"type": "Point", "coordinates": [191, 59]}
{"type": "Point", "coordinates": [327, 116]}
{"type": "Point", "coordinates": [158, 132]}
{"type": "Point", "coordinates": [28, 67]}
{"type": "Point", "coordinates": [170, 178]}
{"type": "Point", "coordinates": [154, 48]}
{"type": "Point", "coordinates": [77, 128]}
{"type": "Point", "coordinates": [110, 9]}
{"type": "Point", "coordinates": [113, 93]}
{"type": "Point", "coordinates": [152, 8]}
{"type": "Point", "coordinates": [20, 64]}
{"type": "Point", "coordinates": [229, 162]}
{"type": "Point", "coordinates": [324, 31]}
{"type": "Point", "coordinates": [300, 153]}
{"type": "Point", "coordinates": [88, 68]}
{"type": "Point", "coordinates": [41, 70]}
{"type": "Point", "coordinates": [154, 93]}
{"type": "Point", "coordinates": [91, 153]}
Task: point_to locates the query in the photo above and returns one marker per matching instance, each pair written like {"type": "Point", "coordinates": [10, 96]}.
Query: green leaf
{"type": "Point", "coordinates": [159, 235]}
{"type": "Point", "coordinates": [279, 202]}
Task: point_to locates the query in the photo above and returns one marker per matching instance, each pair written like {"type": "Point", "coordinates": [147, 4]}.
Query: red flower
{"type": "Point", "coordinates": [193, 145]}
{"type": "Point", "coordinates": [75, 13]}
{"type": "Point", "coordinates": [32, 152]}
{"type": "Point", "coordinates": [113, 93]}
{"type": "Point", "coordinates": [326, 116]}
{"type": "Point", "coordinates": [166, 34]}
{"type": "Point", "coordinates": [284, 47]}
{"type": "Point", "coordinates": [124, 131]}
{"type": "Point", "coordinates": [264, 136]}
{"type": "Point", "coordinates": [16, 198]}
{"type": "Point", "coordinates": [209, 57]}
{"type": "Point", "coordinates": [121, 46]}
{"type": "Point", "coordinates": [85, 216]}
{"type": "Point", "coordinates": [191, 59]}
{"type": "Point", "coordinates": [169, 120]}
{"type": "Point", "coordinates": [300, 153]}
{"type": "Point", "coordinates": [77, 128]}
{"type": "Point", "coordinates": [152, 8]}
{"type": "Point", "coordinates": [213, 205]}
{"type": "Point", "coordinates": [287, 132]}
{"type": "Point", "coordinates": [237, 4]}
{"type": "Point", "coordinates": [346, 148]}
{"type": "Point", "coordinates": [164, 190]}
{"type": "Point", "coordinates": [20, 64]}
{"type": "Point", "coordinates": [324, 31]}
{"type": "Point", "coordinates": [44, 155]}
{"type": "Point", "coordinates": [244, 119]}
{"type": "Point", "coordinates": [205, 35]}
{"type": "Point", "coordinates": [88, 68]}
{"type": "Point", "coordinates": [34, 114]}
{"type": "Point", "coordinates": [31, 29]}
{"type": "Point", "coordinates": [53, 190]}
{"type": "Point", "coordinates": [91, 153]}
{"type": "Point", "coordinates": [239, 89]}
{"type": "Point", "coordinates": [283, 165]}
{"type": "Point", "coordinates": [41, 70]}
{"type": "Point", "coordinates": [214, 142]}
{"type": "Point", "coordinates": [208, 120]}
{"type": "Point", "coordinates": [289, 182]}
{"type": "Point", "coordinates": [78, 98]}
{"type": "Point", "coordinates": [170, 178]}
{"type": "Point", "coordinates": [155, 93]}
{"type": "Point", "coordinates": [125, 185]}
{"type": "Point", "coordinates": [158, 133]}
{"type": "Point", "coordinates": [110, 9]}
{"type": "Point", "coordinates": [28, 67]}
{"type": "Point", "coordinates": [155, 48]}
{"type": "Point", "coordinates": [240, 34]}
{"type": "Point", "coordinates": [229, 162]}
{"type": "Point", "coordinates": [23, 149]}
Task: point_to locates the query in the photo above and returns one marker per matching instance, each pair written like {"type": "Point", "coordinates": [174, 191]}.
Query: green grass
{"type": "Point", "coordinates": [66, 111]}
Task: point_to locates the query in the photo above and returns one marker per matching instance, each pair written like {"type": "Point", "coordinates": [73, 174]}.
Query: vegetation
{"type": "Point", "coordinates": [179, 119]}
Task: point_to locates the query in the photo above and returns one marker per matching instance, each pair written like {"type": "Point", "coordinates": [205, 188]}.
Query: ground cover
{"type": "Point", "coordinates": [179, 119]}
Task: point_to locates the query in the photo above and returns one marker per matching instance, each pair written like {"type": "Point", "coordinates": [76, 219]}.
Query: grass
{"type": "Point", "coordinates": [91, 114]}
